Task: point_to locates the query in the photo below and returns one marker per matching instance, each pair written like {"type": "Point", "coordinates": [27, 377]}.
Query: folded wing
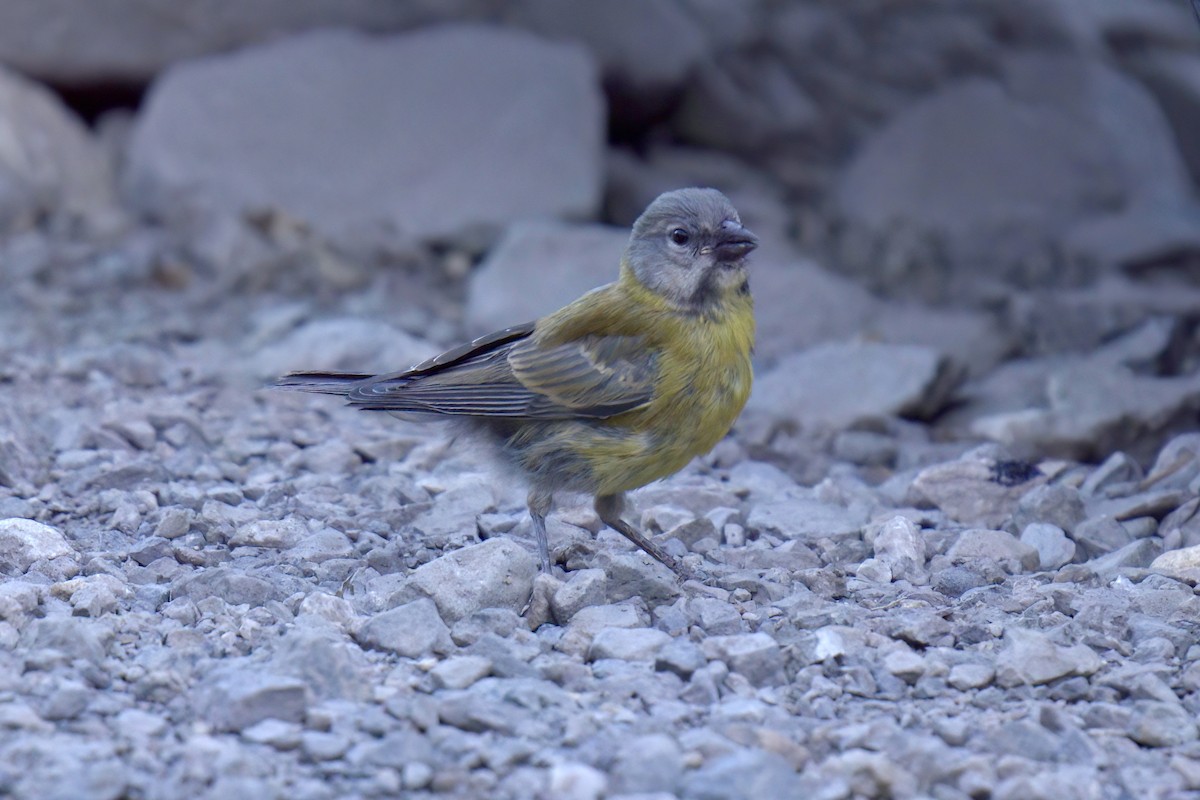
{"type": "Point", "coordinates": [510, 374]}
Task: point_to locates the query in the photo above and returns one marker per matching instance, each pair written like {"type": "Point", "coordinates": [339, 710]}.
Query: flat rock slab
{"type": "Point", "coordinates": [455, 130]}
{"type": "Point", "coordinates": [839, 384]}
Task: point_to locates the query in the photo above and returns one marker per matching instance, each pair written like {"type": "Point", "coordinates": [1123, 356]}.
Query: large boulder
{"type": "Point", "coordinates": [82, 42]}
{"type": "Point", "coordinates": [641, 44]}
{"type": "Point", "coordinates": [49, 163]}
{"type": "Point", "coordinates": [538, 267]}
{"type": "Point", "coordinates": [1174, 78]}
{"type": "Point", "coordinates": [995, 171]}
{"type": "Point", "coordinates": [840, 384]}
{"type": "Point", "coordinates": [432, 135]}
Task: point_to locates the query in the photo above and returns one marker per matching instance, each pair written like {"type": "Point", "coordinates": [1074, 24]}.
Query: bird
{"type": "Point", "coordinates": [617, 389]}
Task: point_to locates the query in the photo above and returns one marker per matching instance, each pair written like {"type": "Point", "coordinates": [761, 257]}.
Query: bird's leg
{"type": "Point", "coordinates": [609, 508]}
{"type": "Point", "coordinates": [539, 507]}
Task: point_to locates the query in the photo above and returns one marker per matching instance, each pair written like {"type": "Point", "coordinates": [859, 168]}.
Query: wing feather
{"type": "Point", "coordinates": [511, 374]}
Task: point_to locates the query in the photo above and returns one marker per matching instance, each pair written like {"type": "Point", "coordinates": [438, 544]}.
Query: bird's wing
{"type": "Point", "coordinates": [509, 374]}
{"type": "Point", "coordinates": [593, 376]}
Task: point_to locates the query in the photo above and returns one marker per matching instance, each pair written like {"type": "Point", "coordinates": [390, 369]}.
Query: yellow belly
{"type": "Point", "coordinates": [704, 384]}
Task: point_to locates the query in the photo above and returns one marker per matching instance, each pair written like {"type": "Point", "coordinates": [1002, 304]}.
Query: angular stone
{"type": "Point", "coordinates": [1030, 657]}
{"type": "Point", "coordinates": [275, 733]}
{"type": "Point", "coordinates": [454, 515]}
{"type": "Point", "coordinates": [1053, 547]}
{"type": "Point", "coordinates": [627, 644]}
{"type": "Point", "coordinates": [98, 595]}
{"type": "Point", "coordinates": [647, 764]}
{"type": "Point", "coordinates": [635, 574]}
{"type": "Point", "coordinates": [1056, 504]}
{"type": "Point", "coordinates": [745, 105]}
{"type": "Point", "coordinates": [324, 544]}
{"type": "Point", "coordinates": [175, 522]}
{"type": "Point", "coordinates": [77, 637]}
{"type": "Point", "coordinates": [754, 655]}
{"type": "Point", "coordinates": [970, 676]}
{"type": "Point", "coordinates": [477, 712]}
{"type": "Point", "coordinates": [1025, 739]}
{"type": "Point", "coordinates": [680, 656]}
{"type": "Point", "coordinates": [411, 630]}
{"type": "Point", "coordinates": [499, 622]}
{"type": "Point", "coordinates": [977, 489]}
{"type": "Point", "coordinates": [800, 304]}
{"type": "Point", "coordinates": [68, 700]}
{"type": "Point", "coordinates": [238, 698]}
{"type": "Point", "coordinates": [1093, 407]}
{"type": "Point", "coordinates": [591, 620]}
{"type": "Point", "coordinates": [905, 665]}
{"type": "Point", "coordinates": [1158, 724]}
{"type": "Point", "coordinates": [332, 667]}
{"type": "Point", "coordinates": [273, 533]}
{"type": "Point", "coordinates": [1177, 464]}
{"type": "Point", "coordinates": [898, 543]}
{"type": "Point", "coordinates": [1182, 564]}
{"type": "Point", "coordinates": [1142, 504]}
{"type": "Point", "coordinates": [460, 672]}
{"type": "Point", "coordinates": [1117, 468]}
{"type": "Point", "coordinates": [1100, 535]}
{"type": "Point", "coordinates": [136, 724]}
{"type": "Point", "coordinates": [874, 570]}
{"type": "Point", "coordinates": [267, 127]}
{"type": "Point", "coordinates": [713, 616]}
{"type": "Point", "coordinates": [18, 599]}
{"type": "Point", "coordinates": [584, 587]}
{"type": "Point", "coordinates": [497, 573]}
{"type": "Point", "coordinates": [234, 587]}
{"type": "Point", "coordinates": [1135, 238]}
{"type": "Point", "coordinates": [150, 549]}
{"type": "Point", "coordinates": [999, 546]}
{"type": "Point", "coordinates": [23, 541]}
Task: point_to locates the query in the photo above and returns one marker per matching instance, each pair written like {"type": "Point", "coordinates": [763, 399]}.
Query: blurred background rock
{"type": "Point", "coordinates": [1007, 186]}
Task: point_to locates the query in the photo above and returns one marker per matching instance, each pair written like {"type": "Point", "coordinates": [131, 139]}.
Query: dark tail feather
{"type": "Point", "coordinates": [320, 382]}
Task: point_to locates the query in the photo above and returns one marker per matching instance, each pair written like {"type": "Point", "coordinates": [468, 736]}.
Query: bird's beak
{"type": "Point", "coordinates": [734, 242]}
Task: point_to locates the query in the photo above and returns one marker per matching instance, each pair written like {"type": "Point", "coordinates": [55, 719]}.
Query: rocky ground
{"type": "Point", "coordinates": [952, 543]}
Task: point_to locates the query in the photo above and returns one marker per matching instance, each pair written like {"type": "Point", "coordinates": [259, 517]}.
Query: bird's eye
{"type": "Point", "coordinates": [680, 237]}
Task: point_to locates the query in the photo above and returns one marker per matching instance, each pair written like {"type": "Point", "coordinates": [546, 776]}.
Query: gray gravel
{"type": "Point", "coordinates": [950, 551]}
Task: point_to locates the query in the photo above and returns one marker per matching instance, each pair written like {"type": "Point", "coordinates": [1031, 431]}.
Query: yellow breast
{"type": "Point", "coordinates": [704, 381]}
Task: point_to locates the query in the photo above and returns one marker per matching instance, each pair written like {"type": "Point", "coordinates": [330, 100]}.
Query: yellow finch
{"type": "Point", "coordinates": [620, 388]}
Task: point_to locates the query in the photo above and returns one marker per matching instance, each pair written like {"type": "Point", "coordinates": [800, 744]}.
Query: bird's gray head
{"type": "Point", "coordinates": [689, 246]}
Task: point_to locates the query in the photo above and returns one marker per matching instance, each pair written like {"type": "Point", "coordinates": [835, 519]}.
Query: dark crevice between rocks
{"type": "Point", "coordinates": [91, 101]}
